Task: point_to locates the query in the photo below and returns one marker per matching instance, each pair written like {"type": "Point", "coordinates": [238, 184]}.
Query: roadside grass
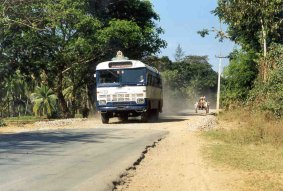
{"type": "Point", "coordinates": [23, 119]}
{"type": "Point", "coordinates": [251, 143]}
{"type": "Point", "coordinates": [26, 120]}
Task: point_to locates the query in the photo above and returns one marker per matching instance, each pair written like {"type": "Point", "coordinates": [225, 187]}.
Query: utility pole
{"type": "Point", "coordinates": [219, 81]}
{"type": "Point", "coordinates": [222, 35]}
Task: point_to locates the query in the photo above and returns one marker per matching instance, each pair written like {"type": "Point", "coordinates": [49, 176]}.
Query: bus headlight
{"type": "Point", "coordinates": [102, 102]}
{"type": "Point", "coordinates": [140, 100]}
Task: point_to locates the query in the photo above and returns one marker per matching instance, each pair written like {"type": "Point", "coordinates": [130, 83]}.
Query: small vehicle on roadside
{"type": "Point", "coordinates": [202, 104]}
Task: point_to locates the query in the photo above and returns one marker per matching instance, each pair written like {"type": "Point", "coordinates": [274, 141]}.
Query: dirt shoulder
{"type": "Point", "coordinates": [176, 163]}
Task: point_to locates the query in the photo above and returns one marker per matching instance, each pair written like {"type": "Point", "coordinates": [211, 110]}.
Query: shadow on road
{"type": "Point", "coordinates": [32, 142]}
{"type": "Point", "coordinates": [162, 119]}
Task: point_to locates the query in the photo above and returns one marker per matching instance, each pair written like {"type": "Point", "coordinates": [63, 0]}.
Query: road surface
{"type": "Point", "coordinates": [71, 159]}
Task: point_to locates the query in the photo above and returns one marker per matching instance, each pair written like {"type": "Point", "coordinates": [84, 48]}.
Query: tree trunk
{"type": "Point", "coordinates": [26, 107]}
{"type": "Point", "coordinates": [61, 99]}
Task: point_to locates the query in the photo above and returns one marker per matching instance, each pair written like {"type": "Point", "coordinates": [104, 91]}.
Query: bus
{"type": "Point", "coordinates": [128, 88]}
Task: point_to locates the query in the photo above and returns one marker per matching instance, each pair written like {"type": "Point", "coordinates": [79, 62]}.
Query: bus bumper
{"type": "Point", "coordinates": [122, 108]}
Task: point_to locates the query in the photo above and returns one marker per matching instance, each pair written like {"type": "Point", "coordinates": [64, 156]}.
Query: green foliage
{"type": "Point", "coordinates": [2, 123]}
{"type": "Point", "coordinates": [121, 34]}
{"type": "Point", "coordinates": [268, 95]}
{"type": "Point", "coordinates": [44, 101]}
{"type": "Point", "coordinates": [64, 40]}
{"type": "Point", "coordinates": [238, 77]}
{"type": "Point", "coordinates": [135, 18]}
{"type": "Point", "coordinates": [161, 64]}
{"type": "Point", "coordinates": [23, 119]}
{"type": "Point", "coordinates": [251, 21]}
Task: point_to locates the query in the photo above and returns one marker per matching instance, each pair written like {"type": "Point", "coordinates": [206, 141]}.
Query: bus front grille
{"type": "Point", "coordinates": [117, 104]}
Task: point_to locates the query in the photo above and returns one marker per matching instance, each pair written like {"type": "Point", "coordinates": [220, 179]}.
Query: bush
{"type": "Point", "coordinates": [238, 78]}
{"type": "Point", "coordinates": [2, 123]}
{"type": "Point", "coordinates": [268, 95]}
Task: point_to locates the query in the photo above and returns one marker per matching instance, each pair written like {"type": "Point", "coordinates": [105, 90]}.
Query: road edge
{"type": "Point", "coordinates": [122, 180]}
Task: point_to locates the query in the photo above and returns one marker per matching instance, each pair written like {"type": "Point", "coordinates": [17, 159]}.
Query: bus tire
{"type": "Point", "coordinates": [144, 117]}
{"type": "Point", "coordinates": [104, 118]}
{"type": "Point", "coordinates": [155, 114]}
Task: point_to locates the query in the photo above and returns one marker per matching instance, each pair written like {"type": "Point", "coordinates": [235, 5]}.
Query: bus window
{"type": "Point", "coordinates": [108, 76]}
{"type": "Point", "coordinates": [122, 76]}
{"type": "Point", "coordinates": [133, 76]}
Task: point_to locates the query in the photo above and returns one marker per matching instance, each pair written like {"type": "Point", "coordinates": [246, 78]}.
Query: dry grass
{"type": "Point", "coordinates": [249, 142]}
{"type": "Point", "coordinates": [245, 127]}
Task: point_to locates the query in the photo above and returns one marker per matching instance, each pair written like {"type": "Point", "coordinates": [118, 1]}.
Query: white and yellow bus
{"type": "Point", "coordinates": [128, 88]}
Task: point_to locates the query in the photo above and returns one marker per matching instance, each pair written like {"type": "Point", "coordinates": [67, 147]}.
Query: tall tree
{"type": "Point", "coordinates": [130, 26]}
{"type": "Point", "coordinates": [179, 53]}
{"type": "Point", "coordinates": [254, 24]}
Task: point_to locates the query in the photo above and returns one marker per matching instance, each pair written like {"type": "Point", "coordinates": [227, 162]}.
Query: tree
{"type": "Point", "coordinates": [268, 96]}
{"type": "Point", "coordinates": [254, 24]}
{"type": "Point", "coordinates": [193, 77]}
{"type": "Point", "coordinates": [44, 101]}
{"type": "Point", "coordinates": [239, 77]}
{"type": "Point", "coordinates": [130, 26]}
{"type": "Point", "coordinates": [179, 54]}
{"type": "Point", "coordinates": [161, 64]}
{"type": "Point", "coordinates": [66, 38]}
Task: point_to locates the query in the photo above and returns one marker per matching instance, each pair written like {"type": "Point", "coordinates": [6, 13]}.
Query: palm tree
{"type": "Point", "coordinates": [44, 101]}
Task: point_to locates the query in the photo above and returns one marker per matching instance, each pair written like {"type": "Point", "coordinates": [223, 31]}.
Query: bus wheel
{"type": "Point", "coordinates": [155, 114]}
{"type": "Point", "coordinates": [104, 118]}
{"type": "Point", "coordinates": [144, 117]}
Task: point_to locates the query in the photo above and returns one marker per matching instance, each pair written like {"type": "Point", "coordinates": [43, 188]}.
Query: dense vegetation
{"type": "Point", "coordinates": [254, 77]}
{"type": "Point", "coordinates": [49, 49]}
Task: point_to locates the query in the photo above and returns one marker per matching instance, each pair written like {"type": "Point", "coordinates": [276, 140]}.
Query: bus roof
{"type": "Point", "coordinates": [122, 64]}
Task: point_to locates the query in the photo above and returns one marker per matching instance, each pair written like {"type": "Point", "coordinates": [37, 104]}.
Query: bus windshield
{"type": "Point", "coordinates": [122, 76]}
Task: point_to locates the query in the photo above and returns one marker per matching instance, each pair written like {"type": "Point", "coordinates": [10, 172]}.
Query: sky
{"type": "Point", "coordinates": [181, 19]}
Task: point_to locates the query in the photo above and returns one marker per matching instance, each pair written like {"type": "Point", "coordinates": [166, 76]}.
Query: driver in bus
{"type": "Point", "coordinates": [141, 78]}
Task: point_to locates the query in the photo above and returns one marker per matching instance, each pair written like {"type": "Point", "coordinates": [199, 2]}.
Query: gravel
{"type": "Point", "coordinates": [58, 123]}
{"type": "Point", "coordinates": [204, 124]}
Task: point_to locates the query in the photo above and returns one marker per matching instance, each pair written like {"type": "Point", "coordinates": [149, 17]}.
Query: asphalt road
{"type": "Point", "coordinates": [81, 159]}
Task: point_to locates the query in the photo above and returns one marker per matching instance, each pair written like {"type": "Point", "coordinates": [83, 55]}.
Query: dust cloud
{"type": "Point", "coordinates": [175, 101]}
